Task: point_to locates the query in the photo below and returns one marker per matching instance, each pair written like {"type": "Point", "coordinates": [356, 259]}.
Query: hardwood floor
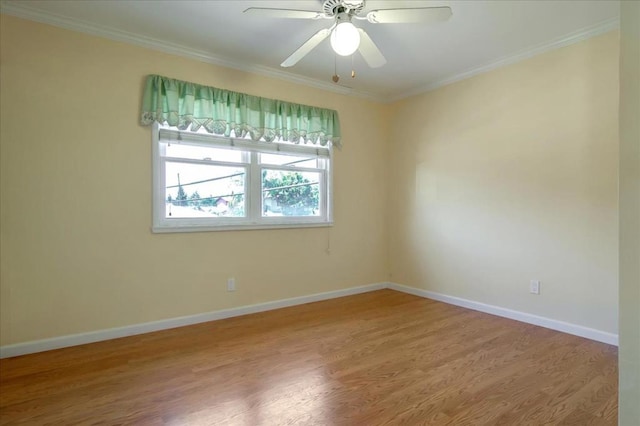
{"type": "Point", "coordinates": [371, 359]}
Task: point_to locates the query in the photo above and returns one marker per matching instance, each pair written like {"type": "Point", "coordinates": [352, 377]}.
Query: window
{"type": "Point", "coordinates": [204, 182]}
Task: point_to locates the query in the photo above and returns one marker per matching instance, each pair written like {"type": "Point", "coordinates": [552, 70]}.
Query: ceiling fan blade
{"type": "Point", "coordinates": [307, 47]}
{"type": "Point", "coordinates": [369, 51]}
{"type": "Point", "coordinates": [417, 15]}
{"type": "Point", "coordinates": [284, 13]}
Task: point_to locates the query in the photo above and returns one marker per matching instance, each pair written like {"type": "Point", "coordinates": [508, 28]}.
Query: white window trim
{"type": "Point", "coordinates": [254, 219]}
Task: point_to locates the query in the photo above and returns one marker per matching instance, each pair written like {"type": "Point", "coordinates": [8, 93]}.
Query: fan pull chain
{"type": "Point", "coordinates": [353, 72]}
{"type": "Point", "coordinates": [335, 77]}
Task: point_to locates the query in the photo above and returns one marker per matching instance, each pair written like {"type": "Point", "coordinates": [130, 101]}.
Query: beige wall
{"type": "Point", "coordinates": [77, 253]}
{"type": "Point", "coordinates": [629, 352]}
{"type": "Point", "coordinates": [511, 176]}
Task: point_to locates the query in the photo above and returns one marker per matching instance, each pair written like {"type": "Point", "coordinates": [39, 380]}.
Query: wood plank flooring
{"type": "Point", "coordinates": [380, 358]}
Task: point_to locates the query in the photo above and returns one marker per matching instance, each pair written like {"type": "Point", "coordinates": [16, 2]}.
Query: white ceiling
{"type": "Point", "coordinates": [481, 35]}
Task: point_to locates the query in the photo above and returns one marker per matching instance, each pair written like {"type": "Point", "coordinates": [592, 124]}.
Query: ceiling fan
{"type": "Point", "coordinates": [346, 38]}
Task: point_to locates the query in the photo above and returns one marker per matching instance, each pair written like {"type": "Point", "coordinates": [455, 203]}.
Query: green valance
{"type": "Point", "coordinates": [183, 104]}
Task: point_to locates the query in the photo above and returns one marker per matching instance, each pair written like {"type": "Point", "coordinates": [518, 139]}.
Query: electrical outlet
{"type": "Point", "coordinates": [231, 284]}
{"type": "Point", "coordinates": [534, 287]}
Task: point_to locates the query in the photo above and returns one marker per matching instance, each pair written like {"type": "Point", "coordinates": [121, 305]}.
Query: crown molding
{"type": "Point", "coordinates": [575, 37]}
{"type": "Point", "coordinates": [26, 12]}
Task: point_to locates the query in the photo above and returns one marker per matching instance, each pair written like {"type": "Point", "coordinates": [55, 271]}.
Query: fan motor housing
{"type": "Point", "coordinates": [333, 7]}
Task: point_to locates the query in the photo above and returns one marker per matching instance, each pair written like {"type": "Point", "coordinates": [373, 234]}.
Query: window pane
{"type": "Point", "coordinates": [290, 160]}
{"type": "Point", "coordinates": [290, 193]}
{"type": "Point", "coordinates": [199, 190]}
{"type": "Point", "coordinates": [199, 152]}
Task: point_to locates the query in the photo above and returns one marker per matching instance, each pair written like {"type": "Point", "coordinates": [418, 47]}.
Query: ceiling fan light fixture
{"type": "Point", "coordinates": [345, 39]}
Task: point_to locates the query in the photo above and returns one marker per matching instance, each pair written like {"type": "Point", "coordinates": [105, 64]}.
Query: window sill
{"type": "Point", "coordinates": [181, 229]}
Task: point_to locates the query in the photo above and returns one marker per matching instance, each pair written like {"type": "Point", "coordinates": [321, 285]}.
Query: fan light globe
{"type": "Point", "coordinates": [345, 39]}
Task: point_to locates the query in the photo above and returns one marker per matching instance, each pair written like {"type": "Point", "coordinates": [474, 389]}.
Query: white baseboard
{"type": "Point", "coordinates": [565, 327]}
{"type": "Point", "coordinates": [130, 330]}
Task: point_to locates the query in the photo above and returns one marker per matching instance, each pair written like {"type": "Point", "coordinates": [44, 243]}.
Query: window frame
{"type": "Point", "coordinates": [253, 218]}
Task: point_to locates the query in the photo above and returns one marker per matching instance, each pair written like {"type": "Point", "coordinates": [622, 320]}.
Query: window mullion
{"type": "Point", "coordinates": [292, 169]}
{"type": "Point", "coordinates": [328, 192]}
{"type": "Point", "coordinates": [322, 193]}
{"type": "Point", "coordinates": [255, 190]}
